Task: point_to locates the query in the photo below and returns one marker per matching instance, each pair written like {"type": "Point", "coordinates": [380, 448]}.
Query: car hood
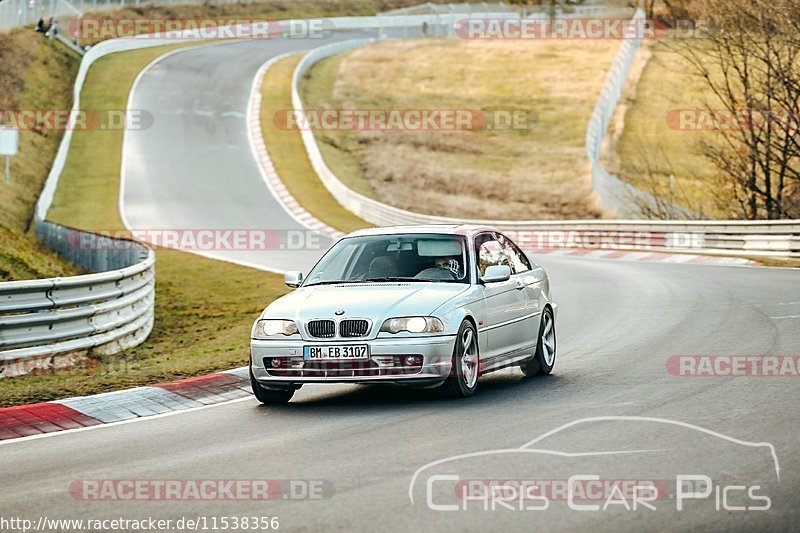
{"type": "Point", "coordinates": [373, 300]}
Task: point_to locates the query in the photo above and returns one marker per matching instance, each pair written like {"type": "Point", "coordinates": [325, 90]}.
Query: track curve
{"type": "Point", "coordinates": [618, 325]}
{"type": "Point", "coordinates": [197, 153]}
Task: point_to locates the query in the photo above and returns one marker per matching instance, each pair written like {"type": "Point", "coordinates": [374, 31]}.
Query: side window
{"type": "Point", "coordinates": [491, 253]}
{"type": "Point", "coordinates": [518, 259]}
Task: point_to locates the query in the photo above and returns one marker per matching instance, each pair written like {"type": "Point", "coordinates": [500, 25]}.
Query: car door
{"type": "Point", "coordinates": [529, 281]}
{"type": "Point", "coordinates": [506, 303]}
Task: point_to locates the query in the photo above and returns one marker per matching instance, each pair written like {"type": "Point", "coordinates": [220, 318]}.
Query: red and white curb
{"type": "Point", "coordinates": [191, 393]}
{"type": "Point", "coordinates": [293, 207]}
{"type": "Point", "coordinates": [621, 255]}
{"type": "Point", "coordinates": [110, 407]}
{"type": "Point", "coordinates": [270, 176]}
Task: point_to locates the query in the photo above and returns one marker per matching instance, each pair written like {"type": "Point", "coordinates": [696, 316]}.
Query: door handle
{"type": "Point", "coordinates": [519, 286]}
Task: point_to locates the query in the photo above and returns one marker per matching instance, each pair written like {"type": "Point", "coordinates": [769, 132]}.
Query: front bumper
{"type": "Point", "coordinates": [436, 351]}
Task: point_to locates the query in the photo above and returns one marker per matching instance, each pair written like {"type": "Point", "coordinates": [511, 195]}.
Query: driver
{"type": "Point", "coordinates": [449, 263]}
{"type": "Point", "coordinates": [445, 268]}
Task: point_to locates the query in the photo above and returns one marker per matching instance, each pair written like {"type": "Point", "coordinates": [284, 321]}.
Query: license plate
{"type": "Point", "coordinates": [348, 352]}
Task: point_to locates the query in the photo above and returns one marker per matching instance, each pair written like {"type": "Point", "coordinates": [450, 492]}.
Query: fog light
{"type": "Point", "coordinates": [275, 363]}
{"type": "Point", "coordinates": [413, 360]}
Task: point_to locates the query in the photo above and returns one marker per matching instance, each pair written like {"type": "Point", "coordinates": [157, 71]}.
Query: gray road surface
{"type": "Point", "coordinates": [618, 325]}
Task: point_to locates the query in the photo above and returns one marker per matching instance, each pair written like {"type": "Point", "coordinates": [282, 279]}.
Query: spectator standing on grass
{"type": "Point", "coordinates": [40, 26]}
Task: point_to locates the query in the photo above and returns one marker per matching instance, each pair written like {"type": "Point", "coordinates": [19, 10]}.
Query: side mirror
{"type": "Point", "coordinates": [496, 273]}
{"type": "Point", "coordinates": [293, 278]}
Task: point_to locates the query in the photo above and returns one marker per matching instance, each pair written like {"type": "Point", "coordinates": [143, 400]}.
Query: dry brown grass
{"type": "Point", "coordinates": [289, 155]}
{"type": "Point", "coordinates": [649, 149]}
{"type": "Point", "coordinates": [535, 173]}
{"type": "Point", "coordinates": [36, 74]}
{"type": "Point", "coordinates": [204, 307]}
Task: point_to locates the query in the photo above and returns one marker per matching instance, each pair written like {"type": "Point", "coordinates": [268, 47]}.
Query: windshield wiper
{"type": "Point", "coordinates": [390, 278]}
{"type": "Point", "coordinates": [377, 279]}
{"type": "Point", "coordinates": [330, 282]}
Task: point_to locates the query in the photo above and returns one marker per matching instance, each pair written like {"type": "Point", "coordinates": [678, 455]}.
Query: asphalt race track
{"type": "Point", "coordinates": [618, 325]}
{"type": "Point", "coordinates": [194, 168]}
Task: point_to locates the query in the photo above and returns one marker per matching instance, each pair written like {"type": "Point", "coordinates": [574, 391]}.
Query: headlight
{"type": "Point", "coordinates": [271, 328]}
{"type": "Point", "coordinates": [413, 324]}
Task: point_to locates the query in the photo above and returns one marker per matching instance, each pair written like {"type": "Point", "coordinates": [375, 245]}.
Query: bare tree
{"type": "Point", "coordinates": [749, 58]}
{"type": "Point", "coordinates": [649, 8]}
{"type": "Point", "coordinates": [660, 196]}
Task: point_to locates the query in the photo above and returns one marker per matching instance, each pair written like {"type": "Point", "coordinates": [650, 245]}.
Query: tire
{"type": "Point", "coordinates": [269, 396]}
{"type": "Point", "coordinates": [544, 359]}
{"type": "Point", "coordinates": [463, 379]}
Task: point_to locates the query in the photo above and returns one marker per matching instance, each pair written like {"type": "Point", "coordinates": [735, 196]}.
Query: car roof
{"type": "Point", "coordinates": [447, 229]}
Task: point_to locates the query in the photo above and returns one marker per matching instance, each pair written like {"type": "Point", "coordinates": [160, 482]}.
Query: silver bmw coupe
{"type": "Point", "coordinates": [425, 306]}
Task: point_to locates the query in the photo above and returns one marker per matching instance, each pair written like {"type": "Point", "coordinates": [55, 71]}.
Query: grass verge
{"type": "Point", "coordinates": [781, 262]}
{"type": "Point", "coordinates": [288, 154]}
{"type": "Point", "coordinates": [534, 170]}
{"type": "Point", "coordinates": [653, 144]}
{"type": "Point", "coordinates": [37, 74]}
{"type": "Point", "coordinates": [204, 308]}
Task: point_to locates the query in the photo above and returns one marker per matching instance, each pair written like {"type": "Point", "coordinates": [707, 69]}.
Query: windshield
{"type": "Point", "coordinates": [382, 258]}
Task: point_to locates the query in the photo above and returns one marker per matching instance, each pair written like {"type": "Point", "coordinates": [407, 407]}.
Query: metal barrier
{"type": "Point", "coordinates": [724, 237]}
{"type": "Point", "coordinates": [44, 323]}
{"type": "Point", "coordinates": [615, 195]}
{"type": "Point", "coordinates": [768, 238]}
{"type": "Point", "coordinates": [49, 323]}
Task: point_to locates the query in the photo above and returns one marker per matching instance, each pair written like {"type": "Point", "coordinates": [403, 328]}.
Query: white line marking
{"type": "Point", "coordinates": [122, 178]}
{"type": "Point", "coordinates": [265, 166]}
{"type": "Point", "coordinates": [121, 422]}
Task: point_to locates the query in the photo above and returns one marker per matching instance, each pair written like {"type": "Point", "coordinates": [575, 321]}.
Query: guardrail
{"type": "Point", "coordinates": [615, 195]}
{"type": "Point", "coordinates": [51, 323]}
{"type": "Point", "coordinates": [768, 238]}
{"type": "Point", "coordinates": [46, 324]}
{"type": "Point", "coordinates": [369, 209]}
{"type": "Point", "coordinates": [724, 237]}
